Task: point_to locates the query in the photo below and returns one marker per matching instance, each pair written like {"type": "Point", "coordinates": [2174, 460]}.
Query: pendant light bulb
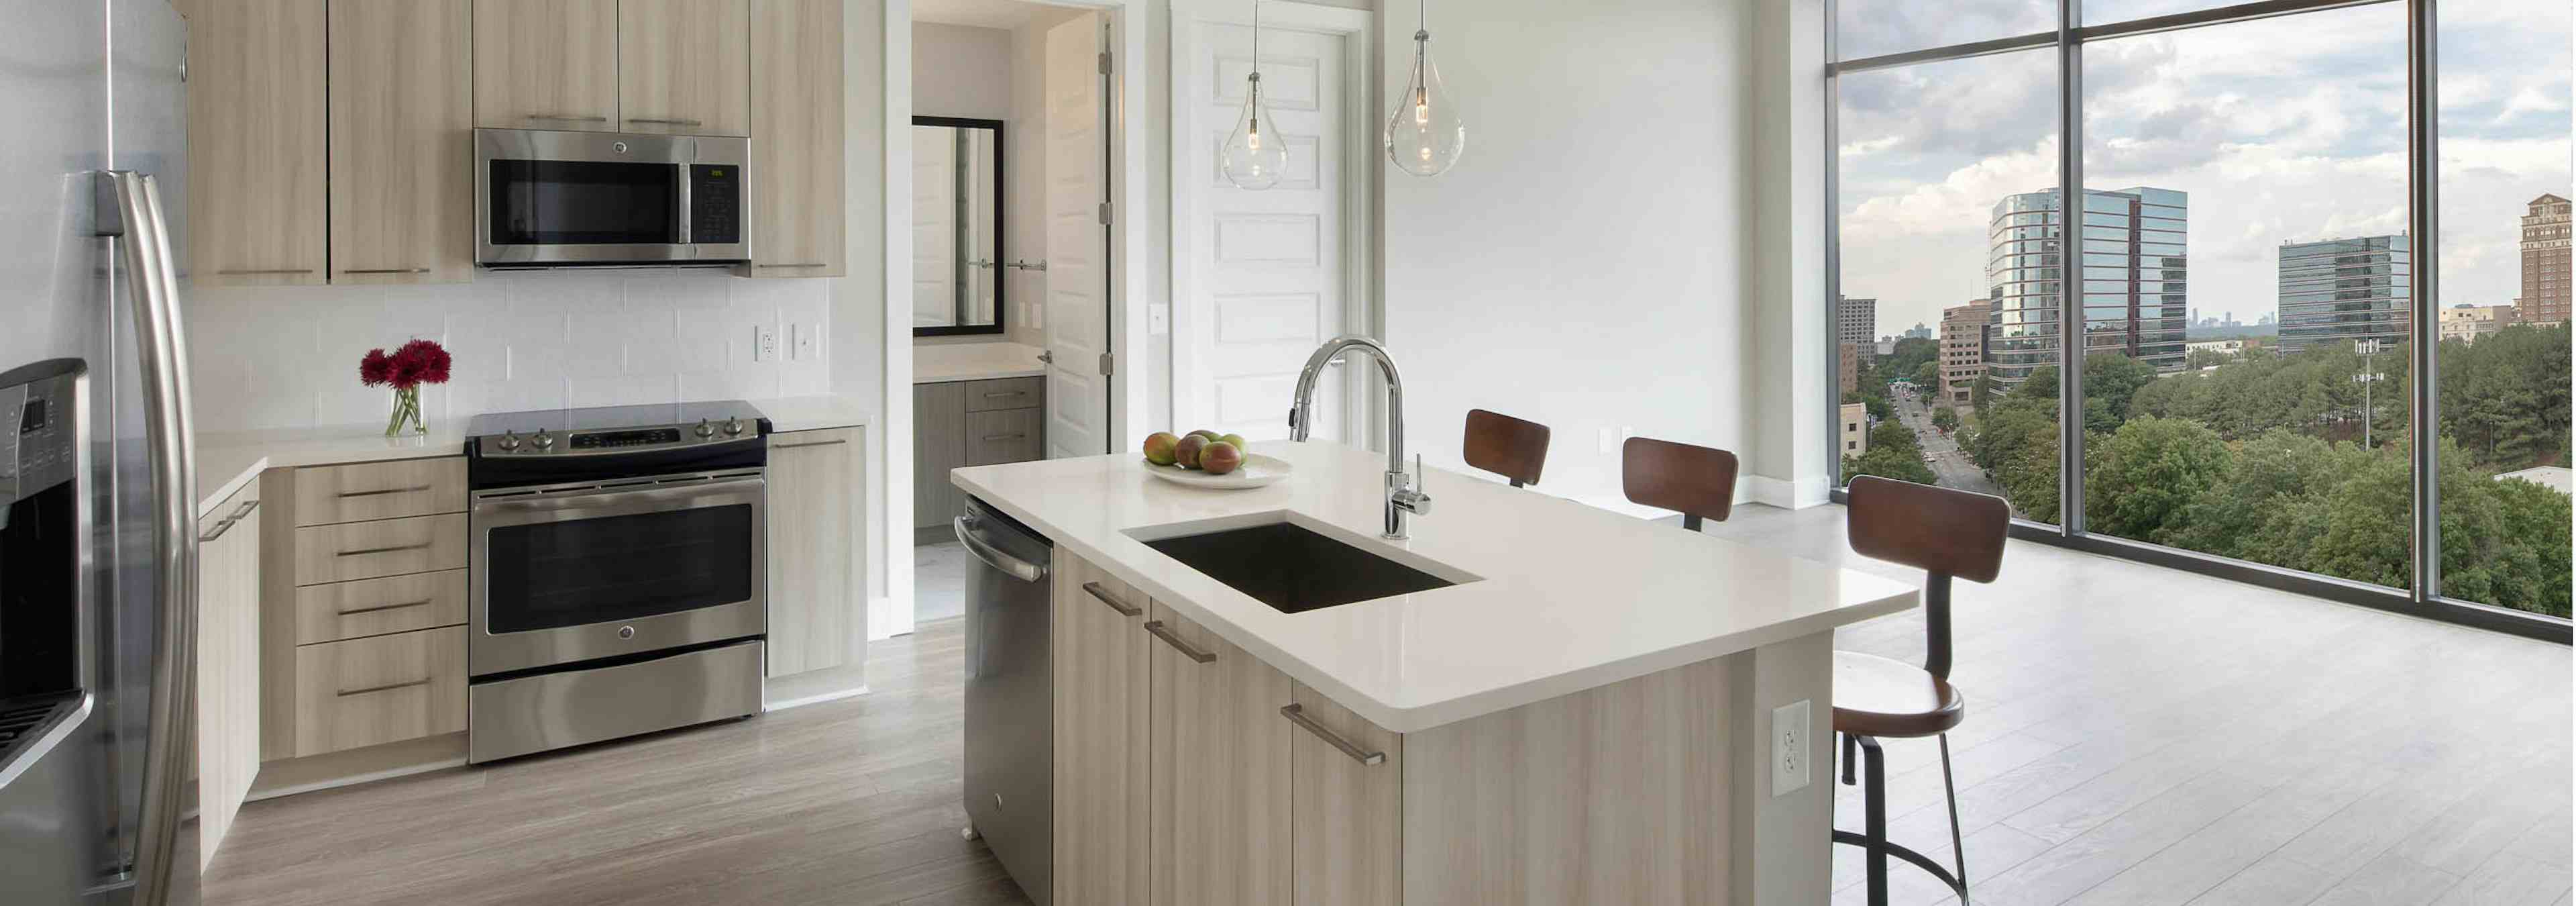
{"type": "Point", "coordinates": [1424, 134]}
{"type": "Point", "coordinates": [1253, 159]}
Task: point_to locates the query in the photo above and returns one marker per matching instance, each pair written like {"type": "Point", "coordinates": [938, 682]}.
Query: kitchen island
{"type": "Point", "coordinates": [1581, 711]}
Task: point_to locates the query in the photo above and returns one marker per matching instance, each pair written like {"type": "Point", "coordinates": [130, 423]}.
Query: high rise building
{"type": "Point", "coordinates": [2466, 323]}
{"type": "Point", "coordinates": [1855, 434]}
{"type": "Point", "coordinates": [2544, 263]}
{"type": "Point", "coordinates": [2342, 290]}
{"type": "Point", "coordinates": [1856, 321]}
{"type": "Point", "coordinates": [1847, 365]}
{"type": "Point", "coordinates": [2134, 278]}
{"type": "Point", "coordinates": [1963, 351]}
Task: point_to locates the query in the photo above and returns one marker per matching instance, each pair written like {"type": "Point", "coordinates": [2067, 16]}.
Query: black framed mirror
{"type": "Point", "coordinates": [956, 226]}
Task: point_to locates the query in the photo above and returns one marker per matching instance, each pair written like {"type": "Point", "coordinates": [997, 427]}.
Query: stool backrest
{"type": "Point", "coordinates": [1943, 531]}
{"type": "Point", "coordinates": [1693, 480]}
{"type": "Point", "coordinates": [1506, 446]}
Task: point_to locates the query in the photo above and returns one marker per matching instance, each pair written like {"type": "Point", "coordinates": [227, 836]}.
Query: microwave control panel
{"type": "Point", "coordinates": [715, 204]}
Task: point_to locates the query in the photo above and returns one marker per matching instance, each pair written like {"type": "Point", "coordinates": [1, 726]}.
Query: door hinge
{"type": "Point", "coordinates": [1104, 213]}
{"type": "Point", "coordinates": [1104, 62]}
{"type": "Point", "coordinates": [1108, 364]}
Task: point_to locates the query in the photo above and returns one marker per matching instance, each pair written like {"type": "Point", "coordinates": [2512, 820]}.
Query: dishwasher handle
{"type": "Point", "coordinates": [994, 557]}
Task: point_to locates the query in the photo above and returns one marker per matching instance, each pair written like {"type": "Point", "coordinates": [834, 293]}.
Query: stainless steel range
{"type": "Point", "coordinates": [619, 572]}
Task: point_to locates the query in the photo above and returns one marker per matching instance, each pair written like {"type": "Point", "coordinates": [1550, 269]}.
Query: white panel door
{"type": "Point", "coordinates": [1268, 274]}
{"type": "Point", "coordinates": [934, 226]}
{"type": "Point", "coordinates": [1077, 275]}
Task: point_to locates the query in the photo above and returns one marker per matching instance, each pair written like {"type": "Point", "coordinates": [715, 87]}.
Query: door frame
{"type": "Point", "coordinates": [1130, 249]}
{"type": "Point", "coordinates": [1362, 278]}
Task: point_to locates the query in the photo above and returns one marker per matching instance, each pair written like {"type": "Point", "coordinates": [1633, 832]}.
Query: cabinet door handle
{"type": "Point", "coordinates": [352, 613]}
{"type": "Point", "coordinates": [812, 443]}
{"type": "Point", "coordinates": [249, 272]}
{"type": "Point", "coordinates": [381, 550]}
{"type": "Point", "coordinates": [1296, 714]}
{"type": "Point", "coordinates": [344, 693]}
{"type": "Point", "coordinates": [566, 118]}
{"type": "Point", "coordinates": [1156, 627]}
{"type": "Point", "coordinates": [664, 122]}
{"type": "Point", "coordinates": [989, 438]}
{"type": "Point", "coordinates": [246, 507]}
{"type": "Point", "coordinates": [413, 489]}
{"type": "Point", "coordinates": [813, 264]}
{"type": "Point", "coordinates": [221, 526]}
{"type": "Point", "coordinates": [1006, 394]}
{"type": "Point", "coordinates": [1114, 604]}
{"type": "Point", "coordinates": [386, 270]}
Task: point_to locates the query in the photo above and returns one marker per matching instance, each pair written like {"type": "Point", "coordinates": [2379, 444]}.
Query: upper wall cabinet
{"type": "Point", "coordinates": [256, 142]}
{"type": "Point", "coordinates": [684, 66]}
{"type": "Point", "coordinates": [796, 143]}
{"type": "Point", "coordinates": [402, 179]}
{"type": "Point", "coordinates": [545, 64]}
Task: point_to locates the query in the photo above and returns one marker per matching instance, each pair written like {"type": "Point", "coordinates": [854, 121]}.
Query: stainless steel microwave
{"type": "Point", "coordinates": [556, 199]}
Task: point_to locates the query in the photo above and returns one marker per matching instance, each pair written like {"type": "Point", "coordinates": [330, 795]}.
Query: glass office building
{"type": "Point", "coordinates": [2135, 286]}
{"type": "Point", "coordinates": [2342, 290]}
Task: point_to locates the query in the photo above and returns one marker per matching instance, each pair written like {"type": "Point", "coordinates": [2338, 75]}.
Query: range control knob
{"type": "Point", "coordinates": [509, 440]}
{"type": "Point", "coordinates": [703, 430]}
{"type": "Point", "coordinates": [542, 440]}
{"type": "Point", "coordinates": [733, 425]}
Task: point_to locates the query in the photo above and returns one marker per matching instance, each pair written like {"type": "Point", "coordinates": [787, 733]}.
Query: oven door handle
{"type": "Point", "coordinates": [507, 504]}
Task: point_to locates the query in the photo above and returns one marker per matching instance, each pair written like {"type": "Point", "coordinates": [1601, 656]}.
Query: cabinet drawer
{"type": "Point", "coordinates": [1003, 435]}
{"type": "Point", "coordinates": [362, 692]}
{"type": "Point", "coordinates": [379, 490]}
{"type": "Point", "coordinates": [372, 607]}
{"type": "Point", "coordinates": [365, 550]}
{"type": "Point", "coordinates": [1005, 393]}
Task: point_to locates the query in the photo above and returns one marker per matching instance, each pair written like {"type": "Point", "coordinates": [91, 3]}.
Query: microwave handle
{"type": "Point", "coordinates": [681, 212]}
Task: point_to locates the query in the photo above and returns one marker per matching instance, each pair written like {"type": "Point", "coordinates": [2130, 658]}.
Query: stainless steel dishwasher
{"type": "Point", "coordinates": [1010, 739]}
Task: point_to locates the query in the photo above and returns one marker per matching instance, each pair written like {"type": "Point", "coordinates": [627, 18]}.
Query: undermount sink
{"type": "Point", "coordinates": [1290, 566]}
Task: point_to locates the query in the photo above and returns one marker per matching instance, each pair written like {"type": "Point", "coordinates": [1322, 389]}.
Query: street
{"type": "Point", "coordinates": [1948, 462]}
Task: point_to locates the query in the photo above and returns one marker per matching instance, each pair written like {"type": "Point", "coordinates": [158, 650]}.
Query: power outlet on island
{"type": "Point", "coordinates": [1789, 748]}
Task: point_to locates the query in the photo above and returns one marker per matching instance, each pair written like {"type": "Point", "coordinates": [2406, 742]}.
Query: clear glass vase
{"type": "Point", "coordinates": [406, 418]}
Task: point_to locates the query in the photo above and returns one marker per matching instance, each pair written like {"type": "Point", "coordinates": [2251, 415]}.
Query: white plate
{"type": "Point", "coordinates": [1257, 471]}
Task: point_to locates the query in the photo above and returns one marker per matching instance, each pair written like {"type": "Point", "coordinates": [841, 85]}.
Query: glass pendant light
{"type": "Point", "coordinates": [1255, 159]}
{"type": "Point", "coordinates": [1424, 135]}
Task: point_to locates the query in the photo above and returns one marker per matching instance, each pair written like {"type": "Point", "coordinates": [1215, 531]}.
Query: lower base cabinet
{"type": "Point", "coordinates": [817, 619]}
{"type": "Point", "coordinates": [227, 664]}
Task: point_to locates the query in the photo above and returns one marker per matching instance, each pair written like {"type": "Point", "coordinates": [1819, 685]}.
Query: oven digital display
{"type": "Point", "coordinates": [604, 439]}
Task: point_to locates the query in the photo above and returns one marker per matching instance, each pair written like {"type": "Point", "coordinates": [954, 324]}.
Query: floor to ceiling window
{"type": "Point", "coordinates": [2243, 281]}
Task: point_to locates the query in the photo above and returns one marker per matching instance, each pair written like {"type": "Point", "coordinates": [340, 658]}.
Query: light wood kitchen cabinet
{"type": "Point", "coordinates": [365, 550]}
{"type": "Point", "coordinates": [1220, 771]}
{"type": "Point", "coordinates": [545, 64]}
{"type": "Point", "coordinates": [815, 616]}
{"type": "Point", "coordinates": [1347, 807]}
{"type": "Point", "coordinates": [379, 490]}
{"type": "Point", "coordinates": [684, 66]}
{"type": "Point", "coordinates": [402, 104]}
{"type": "Point", "coordinates": [797, 197]}
{"type": "Point", "coordinates": [1102, 758]}
{"type": "Point", "coordinates": [227, 664]}
{"type": "Point", "coordinates": [256, 142]}
{"type": "Point", "coordinates": [379, 689]}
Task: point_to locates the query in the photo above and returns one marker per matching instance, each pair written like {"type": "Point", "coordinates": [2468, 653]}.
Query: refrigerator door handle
{"type": "Point", "coordinates": [152, 287]}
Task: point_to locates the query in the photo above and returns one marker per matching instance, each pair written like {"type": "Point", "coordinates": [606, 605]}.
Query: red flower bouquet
{"type": "Point", "coordinates": [413, 364]}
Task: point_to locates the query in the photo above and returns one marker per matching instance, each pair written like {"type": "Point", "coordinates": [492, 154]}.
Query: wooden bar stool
{"type": "Point", "coordinates": [1696, 481]}
{"type": "Point", "coordinates": [1946, 533]}
{"type": "Point", "coordinates": [1506, 446]}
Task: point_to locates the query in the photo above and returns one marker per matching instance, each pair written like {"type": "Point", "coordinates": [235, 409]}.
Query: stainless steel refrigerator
{"type": "Point", "coordinates": [97, 499]}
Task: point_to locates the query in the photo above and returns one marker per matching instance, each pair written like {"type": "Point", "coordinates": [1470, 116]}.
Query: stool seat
{"type": "Point", "coordinates": [1875, 696]}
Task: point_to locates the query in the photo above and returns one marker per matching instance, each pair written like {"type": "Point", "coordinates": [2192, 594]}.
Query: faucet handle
{"type": "Point", "coordinates": [1413, 499]}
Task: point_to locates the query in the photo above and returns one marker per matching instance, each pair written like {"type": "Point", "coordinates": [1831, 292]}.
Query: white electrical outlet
{"type": "Point", "coordinates": [1789, 748]}
{"type": "Point", "coordinates": [764, 343]}
{"type": "Point", "coordinates": [801, 342]}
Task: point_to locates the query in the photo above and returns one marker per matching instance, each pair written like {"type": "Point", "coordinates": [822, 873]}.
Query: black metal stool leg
{"type": "Point", "coordinates": [1958, 848]}
{"type": "Point", "coordinates": [1851, 754]}
{"type": "Point", "coordinates": [1874, 818]}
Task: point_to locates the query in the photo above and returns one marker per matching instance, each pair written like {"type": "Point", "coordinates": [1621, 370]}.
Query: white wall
{"type": "Point", "coordinates": [961, 70]}
{"type": "Point", "coordinates": [1786, 461]}
{"type": "Point", "coordinates": [286, 357]}
{"type": "Point", "coordinates": [1582, 265]}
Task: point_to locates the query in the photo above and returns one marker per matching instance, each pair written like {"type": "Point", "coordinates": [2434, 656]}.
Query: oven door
{"type": "Point", "coordinates": [579, 572]}
{"type": "Point", "coordinates": [569, 198]}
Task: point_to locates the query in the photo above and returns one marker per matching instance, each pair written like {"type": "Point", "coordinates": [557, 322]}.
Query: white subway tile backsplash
{"type": "Point", "coordinates": [521, 340]}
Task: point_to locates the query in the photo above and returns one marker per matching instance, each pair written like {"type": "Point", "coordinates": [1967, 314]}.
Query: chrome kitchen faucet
{"type": "Point", "coordinates": [1403, 493]}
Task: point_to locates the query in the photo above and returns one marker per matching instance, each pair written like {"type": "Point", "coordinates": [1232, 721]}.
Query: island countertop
{"type": "Point", "coordinates": [1569, 597]}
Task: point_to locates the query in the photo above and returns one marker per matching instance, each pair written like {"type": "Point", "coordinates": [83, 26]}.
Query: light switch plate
{"type": "Point", "coordinates": [801, 342]}
{"type": "Point", "coordinates": [1790, 748]}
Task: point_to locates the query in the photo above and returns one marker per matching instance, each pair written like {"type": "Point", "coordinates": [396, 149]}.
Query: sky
{"type": "Point", "coordinates": [2289, 129]}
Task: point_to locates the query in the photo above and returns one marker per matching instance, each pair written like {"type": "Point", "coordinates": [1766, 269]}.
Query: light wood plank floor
{"type": "Point", "coordinates": [2134, 735]}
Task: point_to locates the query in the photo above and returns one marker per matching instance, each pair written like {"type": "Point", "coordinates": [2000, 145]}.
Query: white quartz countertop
{"type": "Point", "coordinates": [974, 362]}
{"type": "Point", "coordinates": [227, 460]}
{"type": "Point", "coordinates": [1569, 597]}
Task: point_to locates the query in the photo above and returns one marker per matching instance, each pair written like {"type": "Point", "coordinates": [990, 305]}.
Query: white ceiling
{"type": "Point", "coordinates": [1004, 14]}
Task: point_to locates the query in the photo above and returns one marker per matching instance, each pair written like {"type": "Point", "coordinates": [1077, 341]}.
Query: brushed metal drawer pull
{"type": "Point", "coordinates": [1005, 394]}
{"type": "Point", "coordinates": [1156, 627]}
{"type": "Point", "coordinates": [344, 693]}
{"type": "Point", "coordinates": [662, 122]}
{"type": "Point", "coordinates": [382, 550]}
{"type": "Point", "coordinates": [352, 613]}
{"type": "Point", "coordinates": [386, 270]}
{"type": "Point", "coordinates": [1122, 609]}
{"type": "Point", "coordinates": [221, 526]}
{"type": "Point", "coordinates": [566, 118]}
{"type": "Point", "coordinates": [1296, 714]}
{"type": "Point", "coordinates": [814, 264]}
{"type": "Point", "coordinates": [259, 271]}
{"type": "Point", "coordinates": [246, 507]}
{"type": "Point", "coordinates": [989, 438]}
{"type": "Point", "coordinates": [413, 489]}
{"type": "Point", "coordinates": [810, 443]}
